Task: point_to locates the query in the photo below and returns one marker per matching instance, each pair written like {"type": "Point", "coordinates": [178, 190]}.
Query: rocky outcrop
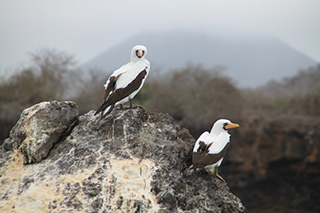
{"type": "Point", "coordinates": [39, 128]}
{"type": "Point", "coordinates": [131, 161]}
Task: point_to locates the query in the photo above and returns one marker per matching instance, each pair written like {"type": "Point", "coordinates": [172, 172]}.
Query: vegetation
{"type": "Point", "coordinates": [304, 83]}
{"type": "Point", "coordinates": [194, 96]}
{"type": "Point", "coordinates": [297, 95]}
{"type": "Point", "coordinates": [90, 91]}
{"type": "Point", "coordinates": [49, 77]}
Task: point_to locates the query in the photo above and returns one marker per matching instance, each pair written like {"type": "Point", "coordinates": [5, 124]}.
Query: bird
{"type": "Point", "coordinates": [125, 83]}
{"type": "Point", "coordinates": [210, 148]}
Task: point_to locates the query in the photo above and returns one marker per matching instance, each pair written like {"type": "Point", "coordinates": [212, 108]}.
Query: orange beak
{"type": "Point", "coordinates": [140, 53]}
{"type": "Point", "coordinates": [231, 125]}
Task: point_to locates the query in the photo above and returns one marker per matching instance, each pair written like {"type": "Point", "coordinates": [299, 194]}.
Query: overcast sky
{"type": "Point", "coordinates": [86, 28]}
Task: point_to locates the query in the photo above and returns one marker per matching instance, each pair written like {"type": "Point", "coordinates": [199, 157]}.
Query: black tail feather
{"type": "Point", "coordinates": [102, 107]}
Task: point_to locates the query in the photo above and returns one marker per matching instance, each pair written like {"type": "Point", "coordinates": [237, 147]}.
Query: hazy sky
{"type": "Point", "coordinates": [86, 28]}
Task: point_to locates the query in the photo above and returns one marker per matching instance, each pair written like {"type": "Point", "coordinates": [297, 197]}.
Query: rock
{"type": "Point", "coordinates": [40, 127]}
{"type": "Point", "coordinates": [131, 161]}
{"type": "Point", "coordinates": [276, 157]}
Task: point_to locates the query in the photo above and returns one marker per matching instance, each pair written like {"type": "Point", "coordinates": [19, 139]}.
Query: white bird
{"type": "Point", "coordinates": [210, 148]}
{"type": "Point", "coordinates": [124, 83]}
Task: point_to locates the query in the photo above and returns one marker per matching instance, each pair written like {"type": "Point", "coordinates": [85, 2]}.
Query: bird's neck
{"type": "Point", "coordinates": [136, 59]}
{"type": "Point", "coordinates": [215, 131]}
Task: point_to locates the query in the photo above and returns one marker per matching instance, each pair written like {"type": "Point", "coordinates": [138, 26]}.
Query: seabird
{"type": "Point", "coordinates": [210, 148]}
{"type": "Point", "coordinates": [124, 83]}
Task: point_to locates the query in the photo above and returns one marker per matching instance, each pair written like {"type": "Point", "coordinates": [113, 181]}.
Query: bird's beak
{"type": "Point", "coordinates": [140, 53]}
{"type": "Point", "coordinates": [231, 125]}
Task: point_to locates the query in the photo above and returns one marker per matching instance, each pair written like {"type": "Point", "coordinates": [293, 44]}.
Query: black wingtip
{"type": "Point", "coordinates": [102, 107]}
{"type": "Point", "coordinates": [105, 114]}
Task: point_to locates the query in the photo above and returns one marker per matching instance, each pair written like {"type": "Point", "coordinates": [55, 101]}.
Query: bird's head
{"type": "Point", "coordinates": [137, 52]}
{"type": "Point", "coordinates": [223, 125]}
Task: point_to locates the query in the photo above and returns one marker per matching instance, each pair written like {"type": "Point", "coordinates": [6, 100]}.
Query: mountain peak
{"type": "Point", "coordinates": [250, 60]}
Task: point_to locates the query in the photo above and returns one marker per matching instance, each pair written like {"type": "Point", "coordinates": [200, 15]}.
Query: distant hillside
{"type": "Point", "coordinates": [305, 82]}
{"type": "Point", "coordinates": [250, 61]}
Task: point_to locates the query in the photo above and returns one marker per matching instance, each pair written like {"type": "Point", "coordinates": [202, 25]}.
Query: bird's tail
{"type": "Point", "coordinates": [105, 105]}
{"type": "Point", "coordinates": [105, 112]}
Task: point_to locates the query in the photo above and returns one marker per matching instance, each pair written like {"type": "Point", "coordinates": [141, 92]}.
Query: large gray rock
{"type": "Point", "coordinates": [131, 161]}
{"type": "Point", "coordinates": [40, 127]}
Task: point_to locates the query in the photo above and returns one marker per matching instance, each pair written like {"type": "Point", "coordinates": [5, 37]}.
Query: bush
{"type": "Point", "coordinates": [49, 77]}
{"type": "Point", "coordinates": [90, 92]}
{"type": "Point", "coordinates": [196, 97]}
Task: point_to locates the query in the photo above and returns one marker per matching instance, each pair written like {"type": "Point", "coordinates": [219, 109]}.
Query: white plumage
{"type": "Point", "coordinates": [210, 148]}
{"type": "Point", "coordinates": [124, 83]}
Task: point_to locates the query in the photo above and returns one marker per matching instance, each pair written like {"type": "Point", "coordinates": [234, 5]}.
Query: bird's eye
{"type": "Point", "coordinates": [224, 126]}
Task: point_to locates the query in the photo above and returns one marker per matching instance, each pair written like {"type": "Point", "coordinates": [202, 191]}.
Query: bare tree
{"type": "Point", "coordinates": [196, 97]}
{"type": "Point", "coordinates": [56, 70]}
{"type": "Point", "coordinates": [48, 77]}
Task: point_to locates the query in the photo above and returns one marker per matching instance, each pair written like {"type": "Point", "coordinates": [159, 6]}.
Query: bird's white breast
{"type": "Point", "coordinates": [219, 142]}
{"type": "Point", "coordinates": [132, 72]}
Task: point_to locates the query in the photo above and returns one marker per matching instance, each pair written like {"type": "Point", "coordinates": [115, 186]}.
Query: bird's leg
{"type": "Point", "coordinates": [101, 117]}
{"type": "Point", "coordinates": [130, 103]}
{"type": "Point", "coordinates": [121, 106]}
{"type": "Point", "coordinates": [217, 175]}
{"type": "Point", "coordinates": [210, 171]}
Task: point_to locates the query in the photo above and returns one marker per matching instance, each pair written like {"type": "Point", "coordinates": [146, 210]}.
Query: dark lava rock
{"type": "Point", "coordinates": [132, 161]}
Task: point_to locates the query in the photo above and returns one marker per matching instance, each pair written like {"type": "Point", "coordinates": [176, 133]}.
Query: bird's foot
{"type": "Point", "coordinates": [217, 175]}
{"type": "Point", "coordinates": [214, 172]}
{"type": "Point", "coordinates": [210, 171]}
{"type": "Point", "coordinates": [188, 171]}
{"type": "Point", "coordinates": [137, 106]}
{"type": "Point", "coordinates": [132, 106]}
{"type": "Point", "coordinates": [221, 178]}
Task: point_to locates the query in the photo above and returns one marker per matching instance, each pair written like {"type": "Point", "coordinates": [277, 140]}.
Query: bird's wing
{"type": "Point", "coordinates": [133, 70]}
{"type": "Point", "coordinates": [204, 158]}
{"type": "Point", "coordinates": [203, 138]}
{"type": "Point", "coordinates": [122, 92]}
{"type": "Point", "coordinates": [110, 86]}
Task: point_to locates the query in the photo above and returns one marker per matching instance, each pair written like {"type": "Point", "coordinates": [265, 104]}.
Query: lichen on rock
{"type": "Point", "coordinates": [131, 161]}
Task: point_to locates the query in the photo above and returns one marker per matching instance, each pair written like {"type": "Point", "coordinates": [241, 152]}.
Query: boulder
{"type": "Point", "coordinates": [40, 127]}
{"type": "Point", "coordinates": [131, 161]}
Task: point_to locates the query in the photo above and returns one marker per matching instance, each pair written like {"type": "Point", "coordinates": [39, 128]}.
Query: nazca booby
{"type": "Point", "coordinates": [210, 148]}
{"type": "Point", "coordinates": [124, 83]}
